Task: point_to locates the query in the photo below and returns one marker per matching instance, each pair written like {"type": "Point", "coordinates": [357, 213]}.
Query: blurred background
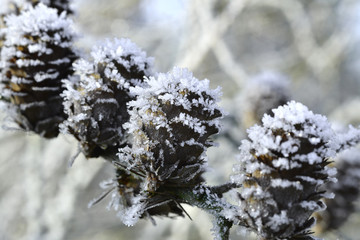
{"type": "Point", "coordinates": [312, 45]}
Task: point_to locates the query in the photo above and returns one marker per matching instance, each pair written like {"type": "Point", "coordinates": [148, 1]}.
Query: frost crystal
{"type": "Point", "coordinates": [171, 122]}
{"type": "Point", "coordinates": [36, 57]}
{"type": "Point", "coordinates": [96, 100]}
{"type": "Point", "coordinates": [282, 165]}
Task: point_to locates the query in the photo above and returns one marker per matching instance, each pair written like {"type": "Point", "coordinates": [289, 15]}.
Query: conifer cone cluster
{"type": "Point", "coordinates": [96, 101]}
{"type": "Point", "coordinates": [346, 190]}
{"type": "Point", "coordinates": [36, 57]}
{"type": "Point", "coordinates": [282, 166]}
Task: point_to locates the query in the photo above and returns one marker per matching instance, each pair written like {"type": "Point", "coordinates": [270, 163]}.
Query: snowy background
{"type": "Point", "coordinates": [312, 43]}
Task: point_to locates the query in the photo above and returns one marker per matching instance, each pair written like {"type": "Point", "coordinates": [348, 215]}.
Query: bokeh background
{"type": "Point", "coordinates": [314, 44]}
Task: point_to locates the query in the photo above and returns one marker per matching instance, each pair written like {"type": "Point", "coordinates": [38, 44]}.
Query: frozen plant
{"type": "Point", "coordinates": [96, 98]}
{"type": "Point", "coordinates": [155, 128]}
{"type": "Point", "coordinates": [36, 57]}
{"type": "Point", "coordinates": [261, 94]}
{"type": "Point", "coordinates": [281, 168]}
{"type": "Point", "coordinates": [171, 121]}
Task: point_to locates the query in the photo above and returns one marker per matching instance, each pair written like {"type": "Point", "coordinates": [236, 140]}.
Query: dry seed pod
{"type": "Point", "coordinates": [282, 166]}
{"type": "Point", "coordinates": [36, 57]}
{"type": "Point", "coordinates": [96, 101]}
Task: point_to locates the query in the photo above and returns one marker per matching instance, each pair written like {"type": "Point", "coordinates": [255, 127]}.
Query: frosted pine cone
{"type": "Point", "coordinates": [346, 191]}
{"type": "Point", "coordinates": [282, 166]}
{"type": "Point", "coordinates": [96, 101]}
{"type": "Point", "coordinates": [261, 94]}
{"type": "Point", "coordinates": [171, 122]}
{"type": "Point", "coordinates": [37, 56]}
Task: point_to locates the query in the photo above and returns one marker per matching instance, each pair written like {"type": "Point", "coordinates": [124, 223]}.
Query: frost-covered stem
{"type": "Point", "coordinates": [110, 156]}
{"type": "Point", "coordinates": [222, 226]}
{"type": "Point", "coordinates": [203, 197]}
{"type": "Point", "coordinates": [210, 200]}
{"type": "Point", "coordinates": [224, 188]}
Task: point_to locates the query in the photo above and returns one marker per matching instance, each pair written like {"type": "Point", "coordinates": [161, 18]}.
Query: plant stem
{"type": "Point", "coordinates": [223, 228]}
{"type": "Point", "coordinates": [209, 199]}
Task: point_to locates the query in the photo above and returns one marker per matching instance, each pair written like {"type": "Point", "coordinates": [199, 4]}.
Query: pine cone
{"type": "Point", "coordinates": [171, 122]}
{"type": "Point", "coordinates": [261, 94]}
{"type": "Point", "coordinates": [17, 6]}
{"type": "Point", "coordinates": [37, 56]}
{"type": "Point", "coordinates": [96, 101]}
{"type": "Point", "coordinates": [346, 191]}
{"type": "Point", "coordinates": [282, 166]}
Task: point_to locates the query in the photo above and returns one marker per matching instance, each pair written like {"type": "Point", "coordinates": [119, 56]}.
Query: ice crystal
{"type": "Point", "coordinates": [96, 100]}
{"type": "Point", "coordinates": [282, 165]}
{"type": "Point", "coordinates": [36, 57]}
